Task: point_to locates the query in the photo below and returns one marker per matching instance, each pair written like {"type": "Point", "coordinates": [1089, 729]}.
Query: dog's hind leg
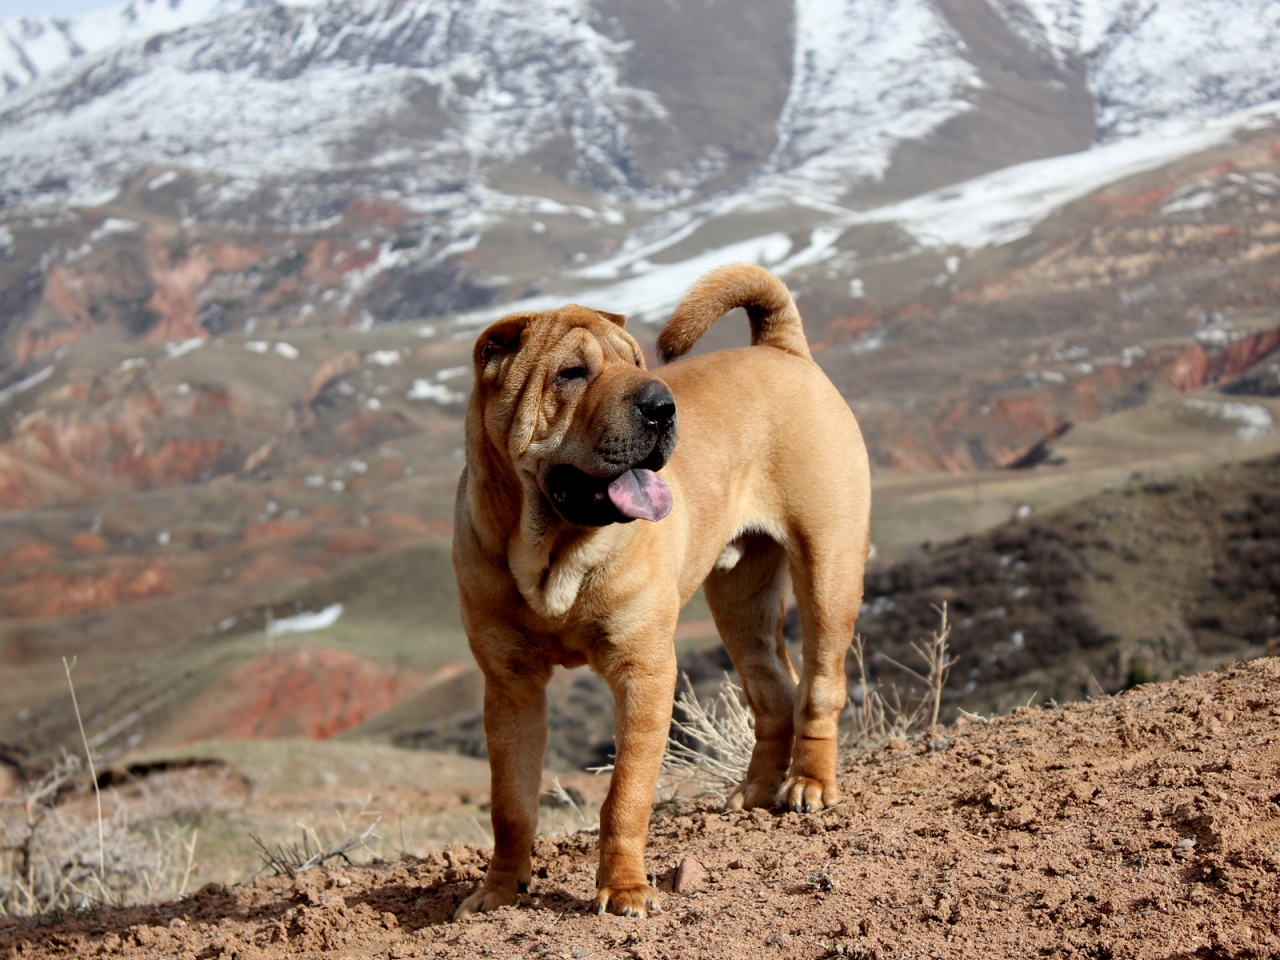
{"type": "Point", "coordinates": [826, 572]}
{"type": "Point", "coordinates": [747, 602]}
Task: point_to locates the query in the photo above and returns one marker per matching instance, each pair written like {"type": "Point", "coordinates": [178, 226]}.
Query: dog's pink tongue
{"type": "Point", "coordinates": [641, 495]}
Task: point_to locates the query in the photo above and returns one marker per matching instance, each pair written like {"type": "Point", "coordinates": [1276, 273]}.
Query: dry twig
{"type": "Point", "coordinates": [293, 858]}
{"type": "Point", "coordinates": [937, 661]}
{"type": "Point", "coordinates": [93, 773]}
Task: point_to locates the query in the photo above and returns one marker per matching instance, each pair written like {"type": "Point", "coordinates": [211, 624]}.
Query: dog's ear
{"type": "Point", "coordinates": [617, 318]}
{"type": "Point", "coordinates": [501, 340]}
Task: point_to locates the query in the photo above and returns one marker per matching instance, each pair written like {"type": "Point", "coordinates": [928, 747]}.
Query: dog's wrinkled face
{"type": "Point", "coordinates": [565, 395]}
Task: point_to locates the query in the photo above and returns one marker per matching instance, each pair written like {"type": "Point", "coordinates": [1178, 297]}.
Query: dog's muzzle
{"type": "Point", "coordinates": [626, 486]}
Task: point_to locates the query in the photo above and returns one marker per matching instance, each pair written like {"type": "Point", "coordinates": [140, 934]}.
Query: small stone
{"type": "Point", "coordinates": [690, 875]}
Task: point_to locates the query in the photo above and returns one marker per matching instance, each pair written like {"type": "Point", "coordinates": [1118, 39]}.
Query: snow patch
{"type": "Point", "coordinates": [1196, 201]}
{"type": "Point", "coordinates": [32, 46]}
{"type": "Point", "coordinates": [11, 391]}
{"type": "Point", "coordinates": [865, 77]}
{"type": "Point", "coordinates": [655, 292]}
{"type": "Point", "coordinates": [183, 347]}
{"type": "Point", "coordinates": [113, 225]}
{"type": "Point", "coordinates": [306, 622]}
{"type": "Point", "coordinates": [1003, 206]}
{"type": "Point", "coordinates": [435, 392]}
{"type": "Point", "coordinates": [163, 180]}
{"type": "Point", "coordinates": [1256, 419]}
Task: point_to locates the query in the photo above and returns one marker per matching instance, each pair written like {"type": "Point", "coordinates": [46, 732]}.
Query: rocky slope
{"type": "Point", "coordinates": [1145, 826]}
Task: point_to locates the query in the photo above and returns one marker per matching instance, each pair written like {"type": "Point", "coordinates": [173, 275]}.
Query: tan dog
{"type": "Point", "coordinates": [566, 434]}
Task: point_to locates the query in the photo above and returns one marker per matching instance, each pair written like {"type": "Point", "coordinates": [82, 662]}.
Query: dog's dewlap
{"type": "Point", "coordinates": [641, 495]}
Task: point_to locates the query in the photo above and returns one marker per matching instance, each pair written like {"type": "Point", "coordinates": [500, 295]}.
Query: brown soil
{"type": "Point", "coordinates": [1142, 825]}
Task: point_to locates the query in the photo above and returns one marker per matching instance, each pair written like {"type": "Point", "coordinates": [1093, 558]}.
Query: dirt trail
{"type": "Point", "coordinates": [1143, 825]}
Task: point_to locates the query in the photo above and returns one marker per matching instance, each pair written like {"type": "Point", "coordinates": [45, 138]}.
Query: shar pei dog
{"type": "Point", "coordinates": [569, 441]}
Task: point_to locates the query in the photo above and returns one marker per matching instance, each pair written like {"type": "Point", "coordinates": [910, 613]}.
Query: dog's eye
{"type": "Point", "coordinates": [569, 374]}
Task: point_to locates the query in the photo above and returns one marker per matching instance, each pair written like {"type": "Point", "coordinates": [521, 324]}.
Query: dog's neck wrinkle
{"type": "Point", "coordinates": [551, 561]}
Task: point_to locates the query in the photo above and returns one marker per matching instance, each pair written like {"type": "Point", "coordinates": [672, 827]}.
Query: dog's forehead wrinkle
{"type": "Point", "coordinates": [619, 345]}
{"type": "Point", "coordinates": [587, 346]}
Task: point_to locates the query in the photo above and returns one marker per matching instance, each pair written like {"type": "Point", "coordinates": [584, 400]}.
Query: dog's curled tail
{"type": "Point", "coordinates": [775, 321]}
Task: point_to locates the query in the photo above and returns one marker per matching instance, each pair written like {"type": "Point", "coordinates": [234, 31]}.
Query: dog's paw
{"type": "Point", "coordinates": [630, 900]}
{"type": "Point", "coordinates": [806, 795]}
{"type": "Point", "coordinates": [483, 901]}
{"type": "Point", "coordinates": [748, 795]}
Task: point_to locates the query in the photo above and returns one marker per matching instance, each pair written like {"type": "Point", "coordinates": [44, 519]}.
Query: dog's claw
{"type": "Point", "coordinates": [636, 901]}
{"type": "Point", "coordinates": [807, 795]}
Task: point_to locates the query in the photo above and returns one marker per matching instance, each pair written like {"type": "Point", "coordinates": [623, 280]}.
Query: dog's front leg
{"type": "Point", "coordinates": [643, 691]}
{"type": "Point", "coordinates": [515, 726]}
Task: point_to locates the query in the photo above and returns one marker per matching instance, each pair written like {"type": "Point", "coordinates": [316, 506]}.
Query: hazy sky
{"type": "Point", "coordinates": [62, 8]}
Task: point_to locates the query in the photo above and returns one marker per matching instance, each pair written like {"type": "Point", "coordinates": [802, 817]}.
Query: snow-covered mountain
{"type": "Point", "coordinates": [652, 121]}
{"type": "Point", "coordinates": [32, 46]}
{"type": "Point", "coordinates": [1152, 60]}
{"type": "Point", "coordinates": [262, 89]}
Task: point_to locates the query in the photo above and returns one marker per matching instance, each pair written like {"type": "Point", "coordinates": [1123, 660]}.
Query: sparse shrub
{"type": "Point", "coordinates": [54, 859]}
{"type": "Point", "coordinates": [711, 743]}
{"type": "Point", "coordinates": [878, 717]}
{"type": "Point", "coordinates": [294, 858]}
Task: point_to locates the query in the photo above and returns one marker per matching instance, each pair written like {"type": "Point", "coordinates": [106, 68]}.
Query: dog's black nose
{"type": "Point", "coordinates": [656, 405]}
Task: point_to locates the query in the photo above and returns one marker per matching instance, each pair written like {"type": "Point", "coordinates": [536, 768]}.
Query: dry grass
{"type": "Point", "coordinates": [881, 713]}
{"type": "Point", "coordinates": [54, 859]}
{"type": "Point", "coordinates": [567, 799]}
{"type": "Point", "coordinates": [710, 746]}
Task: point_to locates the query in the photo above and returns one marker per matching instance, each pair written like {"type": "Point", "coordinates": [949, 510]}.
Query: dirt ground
{"type": "Point", "coordinates": [1141, 825]}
